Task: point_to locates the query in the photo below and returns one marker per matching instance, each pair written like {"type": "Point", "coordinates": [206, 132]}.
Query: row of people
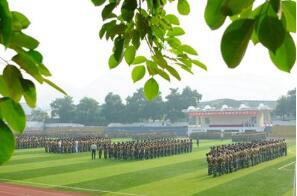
{"type": "Point", "coordinates": [229, 158]}
{"type": "Point", "coordinates": [28, 141]}
{"type": "Point", "coordinates": [142, 149]}
{"type": "Point", "coordinates": [74, 145]}
{"type": "Point", "coordinates": [248, 137]}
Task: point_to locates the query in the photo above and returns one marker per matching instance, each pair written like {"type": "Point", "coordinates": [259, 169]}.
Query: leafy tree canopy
{"type": "Point", "coordinates": [38, 115]}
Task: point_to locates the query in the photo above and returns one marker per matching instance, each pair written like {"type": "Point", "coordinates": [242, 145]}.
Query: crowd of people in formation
{"type": "Point", "coordinates": [145, 136]}
{"type": "Point", "coordinates": [248, 137]}
{"type": "Point", "coordinates": [142, 149]}
{"type": "Point", "coordinates": [28, 141]}
{"type": "Point", "coordinates": [232, 157]}
{"type": "Point", "coordinates": [74, 145]}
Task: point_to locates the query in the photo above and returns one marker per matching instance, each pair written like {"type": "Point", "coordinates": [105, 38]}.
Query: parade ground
{"type": "Point", "coordinates": [184, 174]}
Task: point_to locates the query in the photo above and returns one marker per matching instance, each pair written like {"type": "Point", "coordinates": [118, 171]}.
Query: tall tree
{"type": "Point", "coordinates": [138, 109]}
{"type": "Point", "coordinates": [88, 112]}
{"type": "Point", "coordinates": [292, 102]}
{"type": "Point", "coordinates": [177, 101]}
{"type": "Point", "coordinates": [63, 109]}
{"type": "Point", "coordinates": [282, 107]}
{"type": "Point", "coordinates": [135, 105]}
{"type": "Point", "coordinates": [113, 109]}
{"type": "Point", "coordinates": [286, 105]}
{"type": "Point", "coordinates": [38, 115]}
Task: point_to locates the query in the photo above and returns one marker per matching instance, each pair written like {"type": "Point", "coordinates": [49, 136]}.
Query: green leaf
{"type": "Point", "coordinates": [13, 114]}
{"type": "Point", "coordinates": [188, 49]}
{"type": "Point", "coordinates": [275, 4]}
{"type": "Point", "coordinates": [7, 144]}
{"type": "Point", "coordinates": [138, 60]}
{"type": "Point", "coordinates": [20, 21]}
{"type": "Point", "coordinates": [151, 89]}
{"type": "Point", "coordinates": [183, 7]}
{"type": "Point", "coordinates": [12, 77]}
{"type": "Point", "coordinates": [233, 7]}
{"type": "Point", "coordinates": [128, 8]}
{"type": "Point", "coordinates": [235, 41]}
{"type": "Point", "coordinates": [174, 42]}
{"type": "Point", "coordinates": [138, 73]}
{"type": "Point", "coordinates": [271, 32]}
{"type": "Point", "coordinates": [35, 55]}
{"type": "Point", "coordinates": [25, 41]}
{"type": "Point", "coordinates": [172, 19]}
{"type": "Point", "coordinates": [163, 74]}
{"type": "Point", "coordinates": [285, 56]}
{"type": "Point", "coordinates": [29, 92]}
{"type": "Point", "coordinates": [118, 48]}
{"type": "Point", "coordinates": [173, 72]}
{"type": "Point", "coordinates": [106, 28]}
{"type": "Point", "coordinates": [5, 22]}
{"type": "Point", "coordinates": [54, 86]}
{"type": "Point", "coordinates": [112, 62]}
{"type": "Point", "coordinates": [43, 70]}
{"type": "Point", "coordinates": [176, 31]}
{"type": "Point", "coordinates": [130, 54]}
{"type": "Point", "coordinates": [159, 59]}
{"type": "Point", "coordinates": [289, 10]}
{"type": "Point", "coordinates": [152, 67]}
{"type": "Point", "coordinates": [107, 10]}
{"type": "Point", "coordinates": [98, 2]}
{"type": "Point", "coordinates": [215, 13]}
{"type": "Point", "coordinates": [29, 65]}
{"type": "Point", "coordinates": [4, 88]}
{"type": "Point", "coordinates": [38, 59]}
{"type": "Point", "coordinates": [201, 65]}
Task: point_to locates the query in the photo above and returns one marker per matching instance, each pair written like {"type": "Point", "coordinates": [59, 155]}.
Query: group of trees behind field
{"type": "Point", "coordinates": [286, 106]}
{"type": "Point", "coordinates": [114, 110]}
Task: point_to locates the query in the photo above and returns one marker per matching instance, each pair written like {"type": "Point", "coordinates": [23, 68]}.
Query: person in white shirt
{"type": "Point", "coordinates": [93, 149]}
{"type": "Point", "coordinates": [76, 146]}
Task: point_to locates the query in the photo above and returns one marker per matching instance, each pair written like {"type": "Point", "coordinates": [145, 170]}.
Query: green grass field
{"type": "Point", "coordinates": [184, 174]}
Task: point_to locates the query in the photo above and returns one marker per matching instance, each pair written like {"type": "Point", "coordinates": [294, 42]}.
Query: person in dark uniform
{"type": "Point", "coordinates": [93, 149]}
{"type": "Point", "coordinates": [100, 152]}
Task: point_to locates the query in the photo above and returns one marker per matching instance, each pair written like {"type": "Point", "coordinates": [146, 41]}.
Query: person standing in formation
{"type": "Point", "coordinates": [93, 149]}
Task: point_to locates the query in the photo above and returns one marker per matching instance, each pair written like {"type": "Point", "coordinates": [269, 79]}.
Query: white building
{"type": "Point", "coordinates": [228, 119]}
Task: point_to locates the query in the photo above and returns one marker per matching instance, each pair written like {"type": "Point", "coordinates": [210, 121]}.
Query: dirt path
{"type": "Point", "coordinates": [20, 190]}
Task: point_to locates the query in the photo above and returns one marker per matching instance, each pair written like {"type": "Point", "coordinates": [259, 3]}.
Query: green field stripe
{"type": "Point", "coordinates": [139, 177]}
{"type": "Point", "coordinates": [197, 181]}
{"type": "Point", "coordinates": [26, 157]}
{"type": "Point", "coordinates": [43, 172]}
{"type": "Point", "coordinates": [41, 158]}
{"type": "Point", "coordinates": [91, 172]}
{"type": "Point", "coordinates": [27, 166]}
{"type": "Point", "coordinates": [18, 152]}
{"type": "Point", "coordinates": [261, 181]}
{"type": "Point", "coordinates": [124, 167]}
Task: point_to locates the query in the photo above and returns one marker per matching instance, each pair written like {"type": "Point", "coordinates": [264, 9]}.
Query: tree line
{"type": "Point", "coordinates": [286, 106]}
{"type": "Point", "coordinates": [114, 110]}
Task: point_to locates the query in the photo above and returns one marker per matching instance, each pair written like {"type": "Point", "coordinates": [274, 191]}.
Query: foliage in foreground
{"type": "Point", "coordinates": [134, 25]}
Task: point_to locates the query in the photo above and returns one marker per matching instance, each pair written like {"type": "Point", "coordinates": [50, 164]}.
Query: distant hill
{"type": "Point", "coordinates": [218, 103]}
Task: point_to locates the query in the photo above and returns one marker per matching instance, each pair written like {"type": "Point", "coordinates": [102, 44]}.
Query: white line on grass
{"type": "Point", "coordinates": [69, 187]}
{"type": "Point", "coordinates": [284, 166]}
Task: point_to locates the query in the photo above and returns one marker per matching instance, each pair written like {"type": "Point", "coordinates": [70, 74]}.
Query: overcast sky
{"type": "Point", "coordinates": [68, 35]}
